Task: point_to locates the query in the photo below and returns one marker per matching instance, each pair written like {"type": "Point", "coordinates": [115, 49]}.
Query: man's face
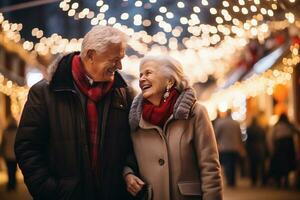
{"type": "Point", "coordinates": [103, 65]}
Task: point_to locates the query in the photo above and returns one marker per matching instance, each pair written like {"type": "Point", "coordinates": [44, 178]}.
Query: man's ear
{"type": "Point", "coordinates": [90, 54]}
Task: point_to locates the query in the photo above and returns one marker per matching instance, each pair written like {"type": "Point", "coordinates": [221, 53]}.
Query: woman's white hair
{"type": "Point", "coordinates": [100, 37]}
{"type": "Point", "coordinates": [171, 68]}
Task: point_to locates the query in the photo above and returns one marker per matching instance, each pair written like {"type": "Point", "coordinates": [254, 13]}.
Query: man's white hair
{"type": "Point", "coordinates": [100, 37]}
{"type": "Point", "coordinates": [171, 68]}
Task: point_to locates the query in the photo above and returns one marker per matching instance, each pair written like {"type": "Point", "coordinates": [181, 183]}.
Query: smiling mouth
{"type": "Point", "coordinates": [145, 87]}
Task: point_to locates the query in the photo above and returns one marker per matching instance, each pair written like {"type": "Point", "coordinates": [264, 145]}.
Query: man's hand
{"type": "Point", "coordinates": [134, 184]}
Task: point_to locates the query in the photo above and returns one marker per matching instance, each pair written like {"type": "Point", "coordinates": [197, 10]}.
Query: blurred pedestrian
{"type": "Point", "coordinates": [230, 145]}
{"type": "Point", "coordinates": [7, 148]}
{"type": "Point", "coordinates": [283, 159]}
{"type": "Point", "coordinates": [256, 151]}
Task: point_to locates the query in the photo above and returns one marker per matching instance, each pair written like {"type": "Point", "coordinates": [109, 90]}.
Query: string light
{"type": "Point", "coordinates": [17, 94]}
{"type": "Point", "coordinates": [254, 86]}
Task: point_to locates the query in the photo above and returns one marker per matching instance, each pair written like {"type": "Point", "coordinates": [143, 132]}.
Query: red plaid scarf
{"type": "Point", "coordinates": [93, 93]}
{"type": "Point", "coordinates": [158, 115]}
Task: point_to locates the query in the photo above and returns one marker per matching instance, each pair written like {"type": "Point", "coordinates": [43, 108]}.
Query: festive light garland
{"type": "Point", "coordinates": [17, 94]}
{"type": "Point", "coordinates": [235, 96]}
{"type": "Point", "coordinates": [143, 43]}
{"type": "Point", "coordinates": [206, 60]}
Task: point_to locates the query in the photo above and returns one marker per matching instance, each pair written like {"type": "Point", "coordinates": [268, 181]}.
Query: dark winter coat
{"type": "Point", "coordinates": [51, 144]}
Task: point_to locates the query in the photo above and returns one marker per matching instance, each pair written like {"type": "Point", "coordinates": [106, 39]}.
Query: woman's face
{"type": "Point", "coordinates": [153, 82]}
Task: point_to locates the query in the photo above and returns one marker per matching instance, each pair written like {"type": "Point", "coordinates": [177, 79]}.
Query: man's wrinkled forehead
{"type": "Point", "coordinates": [115, 49]}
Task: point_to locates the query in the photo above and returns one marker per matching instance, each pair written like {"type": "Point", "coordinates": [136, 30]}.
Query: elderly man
{"type": "Point", "coordinates": [73, 136]}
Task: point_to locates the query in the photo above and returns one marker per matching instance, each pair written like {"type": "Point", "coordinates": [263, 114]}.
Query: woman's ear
{"type": "Point", "coordinates": [170, 83]}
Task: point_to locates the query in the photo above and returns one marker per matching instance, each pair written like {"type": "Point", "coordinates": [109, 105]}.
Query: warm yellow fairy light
{"type": "Point", "coordinates": [224, 12]}
{"type": "Point", "coordinates": [75, 6]}
{"type": "Point", "coordinates": [270, 13]}
{"type": "Point", "coordinates": [219, 20]}
{"type": "Point", "coordinates": [101, 16]}
{"type": "Point", "coordinates": [259, 17]}
{"type": "Point", "coordinates": [99, 3]}
{"type": "Point", "coordinates": [159, 18]}
{"type": "Point", "coordinates": [124, 16]}
{"type": "Point", "coordinates": [94, 21]}
{"type": "Point", "coordinates": [236, 22]}
{"type": "Point", "coordinates": [39, 34]}
{"type": "Point", "coordinates": [180, 4]}
{"type": "Point", "coordinates": [34, 31]}
{"type": "Point", "coordinates": [253, 31]}
{"type": "Point", "coordinates": [81, 15]}
{"type": "Point", "coordinates": [183, 20]}
{"type": "Point", "coordinates": [204, 2]}
{"type": "Point", "coordinates": [14, 27]}
{"type": "Point", "coordinates": [169, 15]}
{"type": "Point", "coordinates": [16, 93]}
{"type": "Point", "coordinates": [245, 11]}
{"type": "Point", "coordinates": [257, 2]}
{"type": "Point", "coordinates": [66, 7]}
{"type": "Point", "coordinates": [225, 4]}
{"type": "Point", "coordinates": [104, 8]}
{"type": "Point", "coordinates": [137, 23]}
{"type": "Point", "coordinates": [196, 9]}
{"type": "Point", "coordinates": [138, 3]}
{"type": "Point", "coordinates": [254, 22]}
{"type": "Point", "coordinates": [147, 22]}
{"type": "Point", "coordinates": [137, 17]}
{"type": "Point", "coordinates": [112, 20]}
{"type": "Point", "coordinates": [6, 27]}
{"type": "Point", "coordinates": [228, 18]}
{"type": "Point", "coordinates": [263, 11]}
{"type": "Point", "coordinates": [264, 28]}
{"type": "Point", "coordinates": [213, 11]}
{"type": "Point", "coordinates": [253, 8]}
{"type": "Point", "coordinates": [274, 6]}
{"type": "Point", "coordinates": [247, 26]}
{"type": "Point", "coordinates": [241, 2]}
{"type": "Point", "coordinates": [71, 12]}
{"type": "Point", "coordinates": [1, 18]}
{"type": "Point", "coordinates": [62, 4]}
{"type": "Point", "coordinates": [90, 15]}
{"type": "Point", "coordinates": [236, 9]}
{"type": "Point", "coordinates": [290, 17]}
{"type": "Point", "coordinates": [163, 9]}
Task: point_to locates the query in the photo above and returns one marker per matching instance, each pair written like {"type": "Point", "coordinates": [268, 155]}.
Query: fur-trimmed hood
{"type": "Point", "coordinates": [182, 107]}
{"type": "Point", "coordinates": [53, 66]}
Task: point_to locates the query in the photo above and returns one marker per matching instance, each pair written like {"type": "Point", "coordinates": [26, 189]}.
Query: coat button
{"type": "Point", "coordinates": [161, 162]}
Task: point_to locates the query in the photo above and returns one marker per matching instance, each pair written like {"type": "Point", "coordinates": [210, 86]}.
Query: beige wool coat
{"type": "Point", "coordinates": [180, 161]}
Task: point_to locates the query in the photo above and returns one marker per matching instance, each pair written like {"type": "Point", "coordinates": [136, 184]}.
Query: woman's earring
{"type": "Point", "coordinates": [166, 94]}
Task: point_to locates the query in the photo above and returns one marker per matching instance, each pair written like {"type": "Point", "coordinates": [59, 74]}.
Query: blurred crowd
{"type": "Point", "coordinates": [268, 155]}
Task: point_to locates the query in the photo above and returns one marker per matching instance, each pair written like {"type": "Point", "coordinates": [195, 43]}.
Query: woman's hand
{"type": "Point", "coordinates": [134, 184]}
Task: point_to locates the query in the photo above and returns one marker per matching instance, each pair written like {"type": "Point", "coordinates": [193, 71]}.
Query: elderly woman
{"type": "Point", "coordinates": [173, 139]}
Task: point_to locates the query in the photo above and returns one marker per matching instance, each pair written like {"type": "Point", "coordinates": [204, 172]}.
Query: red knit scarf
{"type": "Point", "coordinates": [93, 93]}
{"type": "Point", "coordinates": [158, 115]}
